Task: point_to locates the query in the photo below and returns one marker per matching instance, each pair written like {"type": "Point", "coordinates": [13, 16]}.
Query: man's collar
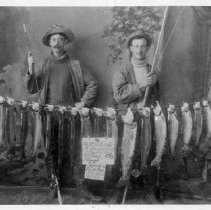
{"type": "Point", "coordinates": [64, 56]}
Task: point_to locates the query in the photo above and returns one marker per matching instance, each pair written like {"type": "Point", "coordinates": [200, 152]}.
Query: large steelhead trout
{"type": "Point", "coordinates": [145, 136]}
{"type": "Point", "coordinates": [187, 126]}
{"type": "Point", "coordinates": [198, 122]}
{"type": "Point", "coordinates": [160, 134]}
{"type": "Point", "coordinates": [128, 147]}
{"type": "Point", "coordinates": [173, 128]}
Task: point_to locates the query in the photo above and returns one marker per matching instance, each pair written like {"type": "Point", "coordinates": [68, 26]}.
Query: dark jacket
{"type": "Point", "coordinates": [126, 90]}
{"type": "Point", "coordinates": [84, 84]}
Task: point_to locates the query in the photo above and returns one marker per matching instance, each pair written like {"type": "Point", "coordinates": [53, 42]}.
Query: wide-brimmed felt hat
{"type": "Point", "coordinates": [139, 34]}
{"type": "Point", "coordinates": [55, 29]}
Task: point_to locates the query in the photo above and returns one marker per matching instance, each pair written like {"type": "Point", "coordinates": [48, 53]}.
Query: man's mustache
{"type": "Point", "coordinates": [56, 47]}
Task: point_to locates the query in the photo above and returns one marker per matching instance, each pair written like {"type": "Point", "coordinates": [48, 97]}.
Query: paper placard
{"type": "Point", "coordinates": [96, 172]}
{"type": "Point", "coordinates": [97, 151]}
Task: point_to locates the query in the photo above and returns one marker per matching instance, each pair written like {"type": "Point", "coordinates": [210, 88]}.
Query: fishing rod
{"type": "Point", "coordinates": [58, 190]}
{"type": "Point", "coordinates": [156, 53]}
{"type": "Point", "coordinates": [55, 185]}
{"type": "Point", "coordinates": [30, 52]}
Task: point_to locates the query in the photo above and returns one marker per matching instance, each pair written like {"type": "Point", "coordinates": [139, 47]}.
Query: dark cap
{"type": "Point", "coordinates": [138, 35]}
{"type": "Point", "coordinates": [55, 29]}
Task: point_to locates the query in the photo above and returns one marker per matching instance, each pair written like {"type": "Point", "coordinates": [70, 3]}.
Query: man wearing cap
{"type": "Point", "coordinates": [130, 81]}
{"type": "Point", "coordinates": [60, 81]}
{"type": "Point", "coordinates": [132, 77]}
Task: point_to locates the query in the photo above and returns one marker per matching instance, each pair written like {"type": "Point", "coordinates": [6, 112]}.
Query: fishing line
{"type": "Point", "coordinates": [171, 33]}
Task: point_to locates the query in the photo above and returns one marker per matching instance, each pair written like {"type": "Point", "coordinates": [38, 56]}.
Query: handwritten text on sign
{"type": "Point", "coordinates": [96, 172]}
{"type": "Point", "coordinates": [98, 151]}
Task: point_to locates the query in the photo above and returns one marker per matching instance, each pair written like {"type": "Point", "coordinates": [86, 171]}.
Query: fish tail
{"type": "Point", "coordinates": [144, 171]}
{"type": "Point", "coordinates": [124, 183]}
{"type": "Point", "coordinates": [185, 148]}
{"type": "Point", "coordinates": [156, 162]}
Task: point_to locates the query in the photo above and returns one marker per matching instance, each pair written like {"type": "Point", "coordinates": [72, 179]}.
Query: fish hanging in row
{"type": "Point", "coordinates": [207, 114]}
{"type": "Point", "coordinates": [38, 127]}
{"type": "Point", "coordinates": [24, 128]}
{"type": "Point", "coordinates": [128, 147]}
{"type": "Point", "coordinates": [197, 122]}
{"type": "Point", "coordinates": [145, 136]}
{"type": "Point", "coordinates": [191, 126]}
{"type": "Point", "coordinates": [206, 142]}
{"type": "Point", "coordinates": [187, 127]}
{"type": "Point", "coordinates": [10, 122]}
{"type": "Point", "coordinates": [160, 134]}
{"type": "Point", "coordinates": [49, 110]}
{"type": "Point", "coordinates": [2, 120]}
{"type": "Point", "coordinates": [173, 128]}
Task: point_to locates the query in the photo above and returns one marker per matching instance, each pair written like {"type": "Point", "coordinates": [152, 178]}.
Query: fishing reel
{"type": "Point", "coordinates": [53, 182]}
{"type": "Point", "coordinates": [135, 173]}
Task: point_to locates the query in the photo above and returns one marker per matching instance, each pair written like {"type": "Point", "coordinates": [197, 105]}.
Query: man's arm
{"type": "Point", "coordinates": [32, 83]}
{"type": "Point", "coordinates": [91, 86]}
{"type": "Point", "coordinates": [34, 76]}
{"type": "Point", "coordinates": [123, 91]}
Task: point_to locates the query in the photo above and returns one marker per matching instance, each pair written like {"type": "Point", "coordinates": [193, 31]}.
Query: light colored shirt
{"type": "Point", "coordinates": [140, 69]}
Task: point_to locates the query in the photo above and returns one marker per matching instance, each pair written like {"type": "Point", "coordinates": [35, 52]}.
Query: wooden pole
{"type": "Point", "coordinates": [156, 54]}
{"type": "Point", "coordinates": [30, 50]}
{"type": "Point", "coordinates": [124, 195]}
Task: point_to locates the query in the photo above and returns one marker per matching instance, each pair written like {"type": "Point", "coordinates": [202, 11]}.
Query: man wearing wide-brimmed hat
{"type": "Point", "coordinates": [132, 77]}
{"type": "Point", "coordinates": [61, 81]}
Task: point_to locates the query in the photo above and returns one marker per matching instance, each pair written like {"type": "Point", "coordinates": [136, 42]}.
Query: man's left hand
{"type": "Point", "coordinates": [79, 105]}
{"type": "Point", "coordinates": [153, 78]}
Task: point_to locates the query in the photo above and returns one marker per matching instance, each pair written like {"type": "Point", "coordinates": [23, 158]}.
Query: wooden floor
{"type": "Point", "coordinates": [192, 191]}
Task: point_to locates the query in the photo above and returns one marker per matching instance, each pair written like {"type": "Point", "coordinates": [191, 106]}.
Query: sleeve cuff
{"type": "Point", "coordinates": [28, 74]}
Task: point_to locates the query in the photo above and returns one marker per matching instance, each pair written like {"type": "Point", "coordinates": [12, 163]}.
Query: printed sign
{"type": "Point", "coordinates": [96, 172]}
{"type": "Point", "coordinates": [98, 151]}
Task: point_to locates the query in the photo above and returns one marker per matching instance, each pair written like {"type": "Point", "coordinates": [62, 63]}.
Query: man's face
{"type": "Point", "coordinates": [139, 48]}
{"type": "Point", "coordinates": [57, 43]}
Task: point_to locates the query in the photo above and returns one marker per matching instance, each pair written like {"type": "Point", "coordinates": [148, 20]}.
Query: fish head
{"type": "Point", "coordinates": [35, 106]}
{"type": "Point", "coordinates": [50, 107]}
{"type": "Point", "coordinates": [98, 111]}
{"type": "Point", "coordinates": [62, 109]}
{"type": "Point", "coordinates": [74, 111]}
{"type": "Point", "coordinates": [129, 117]}
{"type": "Point", "coordinates": [205, 103]}
{"type": "Point", "coordinates": [10, 101]}
{"type": "Point", "coordinates": [197, 105]}
{"type": "Point", "coordinates": [171, 108]}
{"type": "Point", "coordinates": [157, 110]}
{"type": "Point", "coordinates": [84, 112]}
{"type": "Point", "coordinates": [1, 100]}
{"type": "Point", "coordinates": [23, 103]}
{"type": "Point", "coordinates": [185, 107]}
{"type": "Point", "coordinates": [111, 113]}
{"type": "Point", "coordinates": [144, 111]}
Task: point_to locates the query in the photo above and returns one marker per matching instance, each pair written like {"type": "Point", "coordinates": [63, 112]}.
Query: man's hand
{"type": "Point", "coordinates": [149, 80]}
{"type": "Point", "coordinates": [79, 105]}
{"type": "Point", "coordinates": [153, 78]}
{"type": "Point", "coordinates": [30, 63]}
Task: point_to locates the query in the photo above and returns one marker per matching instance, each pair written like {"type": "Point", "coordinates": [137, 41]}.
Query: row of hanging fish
{"type": "Point", "coordinates": [19, 120]}
{"type": "Point", "coordinates": [166, 129]}
{"type": "Point", "coordinates": [183, 122]}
